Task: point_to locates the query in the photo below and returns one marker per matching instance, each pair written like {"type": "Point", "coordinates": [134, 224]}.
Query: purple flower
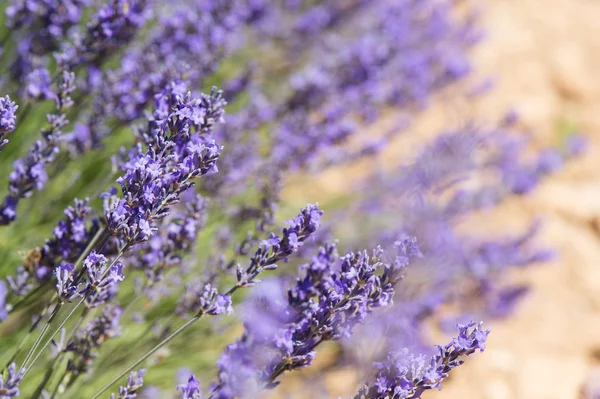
{"type": "Point", "coordinates": [8, 118]}
{"type": "Point", "coordinates": [191, 390]}
{"type": "Point", "coordinates": [278, 248]}
{"type": "Point", "coordinates": [102, 277]}
{"type": "Point", "coordinates": [9, 388]}
{"type": "Point", "coordinates": [176, 153]}
{"type": "Point", "coordinates": [406, 376]}
{"type": "Point", "coordinates": [3, 292]}
{"type": "Point", "coordinates": [135, 381]}
{"type": "Point", "coordinates": [30, 172]}
{"type": "Point", "coordinates": [333, 295]}
{"type": "Point", "coordinates": [66, 286]}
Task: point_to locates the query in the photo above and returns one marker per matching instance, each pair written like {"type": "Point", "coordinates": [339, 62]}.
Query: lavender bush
{"type": "Point", "coordinates": [141, 233]}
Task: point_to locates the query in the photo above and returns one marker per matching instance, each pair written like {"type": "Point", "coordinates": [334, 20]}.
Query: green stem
{"type": "Point", "coordinates": [47, 376]}
{"type": "Point", "coordinates": [58, 385]}
{"type": "Point", "coordinates": [31, 330]}
{"type": "Point", "coordinates": [62, 324]}
{"type": "Point", "coordinates": [146, 356]}
{"type": "Point", "coordinates": [29, 295]}
{"type": "Point", "coordinates": [41, 335]}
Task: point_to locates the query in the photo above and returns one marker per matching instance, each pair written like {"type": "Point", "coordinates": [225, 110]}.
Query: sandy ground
{"type": "Point", "coordinates": [545, 55]}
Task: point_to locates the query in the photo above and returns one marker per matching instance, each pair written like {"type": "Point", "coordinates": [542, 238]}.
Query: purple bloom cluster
{"type": "Point", "coordinates": [190, 390]}
{"type": "Point", "coordinates": [71, 237]}
{"type": "Point", "coordinates": [30, 172]}
{"type": "Point", "coordinates": [390, 64]}
{"type": "Point", "coordinates": [326, 303]}
{"type": "Point", "coordinates": [113, 25]}
{"type": "Point", "coordinates": [134, 384]}
{"type": "Point", "coordinates": [460, 172]}
{"type": "Point", "coordinates": [200, 298]}
{"type": "Point", "coordinates": [84, 346]}
{"type": "Point", "coordinates": [188, 45]}
{"type": "Point", "coordinates": [8, 118]}
{"type": "Point", "coordinates": [406, 376]}
{"type": "Point", "coordinates": [101, 283]}
{"type": "Point", "coordinates": [177, 153]}
{"type": "Point", "coordinates": [9, 384]}
{"type": "Point", "coordinates": [177, 236]}
{"type": "Point", "coordinates": [43, 26]}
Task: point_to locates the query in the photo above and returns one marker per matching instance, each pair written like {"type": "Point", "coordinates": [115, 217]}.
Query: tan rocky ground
{"type": "Point", "coordinates": [546, 57]}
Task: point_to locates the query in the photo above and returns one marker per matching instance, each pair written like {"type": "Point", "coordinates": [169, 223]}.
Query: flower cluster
{"type": "Point", "coordinates": [101, 280]}
{"type": "Point", "coordinates": [30, 172]}
{"type": "Point", "coordinates": [177, 153]}
{"type": "Point", "coordinates": [406, 376]}
{"type": "Point", "coordinates": [71, 237]}
{"type": "Point", "coordinates": [134, 383]}
{"type": "Point", "coordinates": [325, 304]}
{"type": "Point", "coordinates": [8, 118]}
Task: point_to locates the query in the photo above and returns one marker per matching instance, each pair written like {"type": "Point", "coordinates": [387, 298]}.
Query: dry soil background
{"type": "Point", "coordinates": [545, 55]}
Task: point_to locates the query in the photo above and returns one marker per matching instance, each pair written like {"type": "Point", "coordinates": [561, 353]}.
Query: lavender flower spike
{"type": "Point", "coordinates": [3, 292]}
{"type": "Point", "coordinates": [30, 172]}
{"type": "Point", "coordinates": [9, 387]}
{"type": "Point", "coordinates": [8, 118]}
{"type": "Point", "coordinates": [191, 390]}
{"type": "Point", "coordinates": [102, 281]}
{"type": "Point", "coordinates": [176, 154]}
{"type": "Point", "coordinates": [134, 383]}
{"type": "Point", "coordinates": [405, 376]}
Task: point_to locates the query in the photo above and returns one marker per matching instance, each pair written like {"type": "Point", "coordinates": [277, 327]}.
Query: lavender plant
{"type": "Point", "coordinates": [158, 271]}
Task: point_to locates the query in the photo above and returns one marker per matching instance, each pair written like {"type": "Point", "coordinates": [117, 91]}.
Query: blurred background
{"type": "Point", "coordinates": [544, 59]}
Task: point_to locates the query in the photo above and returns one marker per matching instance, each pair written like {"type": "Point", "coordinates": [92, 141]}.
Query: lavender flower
{"type": "Point", "coordinates": [115, 24]}
{"type": "Point", "coordinates": [405, 376]}
{"type": "Point", "coordinates": [134, 384]}
{"type": "Point", "coordinates": [176, 237]}
{"type": "Point", "coordinates": [200, 298]}
{"type": "Point", "coordinates": [190, 390]}
{"type": "Point", "coordinates": [45, 26]}
{"type": "Point", "coordinates": [9, 382]}
{"type": "Point", "coordinates": [3, 292]}
{"type": "Point", "coordinates": [66, 286]}
{"type": "Point", "coordinates": [276, 248]}
{"type": "Point", "coordinates": [71, 237]}
{"type": "Point", "coordinates": [8, 118]}
{"type": "Point", "coordinates": [30, 172]}
{"type": "Point", "coordinates": [325, 304]}
{"type": "Point", "coordinates": [102, 277]}
{"type": "Point", "coordinates": [176, 154]}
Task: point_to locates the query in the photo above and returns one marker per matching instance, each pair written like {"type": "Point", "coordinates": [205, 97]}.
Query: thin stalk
{"type": "Point", "coordinates": [26, 337]}
{"type": "Point", "coordinates": [62, 324]}
{"type": "Point", "coordinates": [120, 254]}
{"type": "Point", "coordinates": [29, 295]}
{"type": "Point", "coordinates": [47, 376]}
{"type": "Point", "coordinates": [42, 333]}
{"type": "Point", "coordinates": [82, 256]}
{"type": "Point", "coordinates": [147, 355]}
